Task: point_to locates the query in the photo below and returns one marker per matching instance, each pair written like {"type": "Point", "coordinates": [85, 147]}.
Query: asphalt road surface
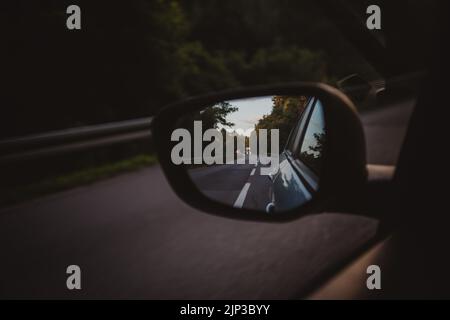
{"type": "Point", "coordinates": [133, 238]}
{"type": "Point", "coordinates": [238, 185]}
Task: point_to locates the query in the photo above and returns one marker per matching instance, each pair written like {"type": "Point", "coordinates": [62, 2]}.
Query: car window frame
{"type": "Point", "coordinates": [298, 152]}
{"type": "Point", "coordinates": [293, 136]}
{"type": "Point", "coordinates": [306, 174]}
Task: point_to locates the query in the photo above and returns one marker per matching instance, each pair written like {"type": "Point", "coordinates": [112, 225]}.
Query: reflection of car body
{"type": "Point", "coordinates": [297, 177]}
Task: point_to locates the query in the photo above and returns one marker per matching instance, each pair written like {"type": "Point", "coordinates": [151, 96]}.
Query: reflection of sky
{"type": "Point", "coordinates": [250, 111]}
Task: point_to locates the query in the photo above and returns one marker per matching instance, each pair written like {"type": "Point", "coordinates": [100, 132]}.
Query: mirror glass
{"type": "Point", "coordinates": [262, 153]}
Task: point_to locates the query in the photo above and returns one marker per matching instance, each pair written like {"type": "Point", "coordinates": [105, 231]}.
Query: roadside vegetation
{"type": "Point", "coordinates": [73, 179]}
{"type": "Point", "coordinates": [137, 56]}
{"type": "Point", "coordinates": [132, 57]}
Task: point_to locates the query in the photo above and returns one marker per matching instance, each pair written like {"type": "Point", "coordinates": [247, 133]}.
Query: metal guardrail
{"type": "Point", "coordinates": [73, 139]}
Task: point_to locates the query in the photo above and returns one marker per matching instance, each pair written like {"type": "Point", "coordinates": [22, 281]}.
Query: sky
{"type": "Point", "coordinates": [250, 111]}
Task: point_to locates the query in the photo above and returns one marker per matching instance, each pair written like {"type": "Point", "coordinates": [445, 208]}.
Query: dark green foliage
{"type": "Point", "coordinates": [213, 116]}
{"type": "Point", "coordinates": [132, 57]}
{"type": "Point", "coordinates": [284, 116]}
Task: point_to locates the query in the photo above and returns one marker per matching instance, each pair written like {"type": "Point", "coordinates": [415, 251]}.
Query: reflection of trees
{"type": "Point", "coordinates": [319, 143]}
{"type": "Point", "coordinates": [213, 116]}
{"type": "Point", "coordinates": [314, 158]}
{"type": "Point", "coordinates": [284, 116]}
{"type": "Point", "coordinates": [210, 117]}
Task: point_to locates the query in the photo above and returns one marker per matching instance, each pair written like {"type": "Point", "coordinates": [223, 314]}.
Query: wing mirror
{"type": "Point", "coordinates": [363, 93]}
{"type": "Point", "coordinates": [265, 153]}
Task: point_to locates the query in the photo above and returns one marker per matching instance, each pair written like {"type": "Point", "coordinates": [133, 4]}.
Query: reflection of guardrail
{"type": "Point", "coordinates": [73, 139]}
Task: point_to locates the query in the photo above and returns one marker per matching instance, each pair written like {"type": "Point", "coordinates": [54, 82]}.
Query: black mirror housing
{"type": "Point", "coordinates": [343, 172]}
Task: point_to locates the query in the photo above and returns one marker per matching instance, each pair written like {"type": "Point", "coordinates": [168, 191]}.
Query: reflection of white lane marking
{"type": "Point", "coordinates": [241, 198]}
{"type": "Point", "coordinates": [253, 172]}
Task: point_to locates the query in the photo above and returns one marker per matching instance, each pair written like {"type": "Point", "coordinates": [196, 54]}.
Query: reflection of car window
{"type": "Point", "coordinates": [312, 147]}
{"type": "Point", "coordinates": [295, 136]}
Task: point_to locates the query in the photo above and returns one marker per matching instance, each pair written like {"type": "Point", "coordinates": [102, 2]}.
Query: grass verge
{"type": "Point", "coordinates": [74, 179]}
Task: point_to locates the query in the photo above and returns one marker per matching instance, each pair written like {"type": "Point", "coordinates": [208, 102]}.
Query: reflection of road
{"type": "Point", "coordinates": [241, 185]}
{"type": "Point", "coordinates": [133, 238]}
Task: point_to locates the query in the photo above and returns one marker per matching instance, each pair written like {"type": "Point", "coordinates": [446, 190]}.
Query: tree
{"type": "Point", "coordinates": [314, 158]}
{"type": "Point", "coordinates": [211, 117]}
{"type": "Point", "coordinates": [285, 113]}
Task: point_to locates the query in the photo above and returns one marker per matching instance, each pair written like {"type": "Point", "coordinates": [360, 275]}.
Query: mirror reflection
{"type": "Point", "coordinates": [261, 153]}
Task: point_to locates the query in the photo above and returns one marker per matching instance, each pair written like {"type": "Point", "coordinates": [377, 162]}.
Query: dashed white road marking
{"type": "Point", "coordinates": [253, 172]}
{"type": "Point", "coordinates": [242, 195]}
